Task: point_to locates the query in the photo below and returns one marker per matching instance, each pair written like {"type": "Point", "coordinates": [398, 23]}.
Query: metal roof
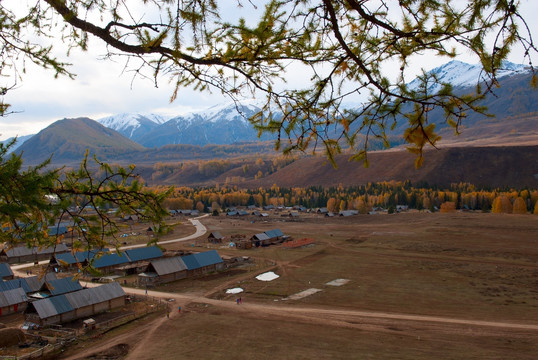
{"type": "Point", "coordinates": [44, 308]}
{"type": "Point", "coordinates": [109, 260]}
{"type": "Point", "coordinates": [191, 262]}
{"type": "Point", "coordinates": [147, 253]}
{"type": "Point", "coordinates": [62, 286]}
{"type": "Point", "coordinates": [61, 304]}
{"type": "Point", "coordinates": [274, 233]}
{"type": "Point", "coordinates": [261, 236]}
{"type": "Point", "coordinates": [5, 270]}
{"type": "Point", "coordinates": [95, 295]}
{"type": "Point", "coordinates": [168, 265]}
{"type": "Point", "coordinates": [14, 284]}
{"type": "Point", "coordinates": [12, 297]}
{"type": "Point", "coordinates": [26, 251]}
{"type": "Point", "coordinates": [216, 235]}
{"type": "Point", "coordinates": [29, 284]}
{"type": "Point", "coordinates": [199, 260]}
{"type": "Point", "coordinates": [207, 258]}
{"type": "Point", "coordinates": [79, 256]}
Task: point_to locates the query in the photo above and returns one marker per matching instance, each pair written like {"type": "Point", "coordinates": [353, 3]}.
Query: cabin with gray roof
{"type": "Point", "coordinates": [12, 301]}
{"type": "Point", "coordinates": [75, 305]}
{"type": "Point", "coordinates": [162, 271]}
{"type": "Point", "coordinates": [29, 284]}
{"type": "Point", "coordinates": [125, 263]}
{"type": "Point", "coordinates": [215, 237]}
{"type": "Point", "coordinates": [22, 254]}
{"type": "Point", "coordinates": [5, 272]}
{"type": "Point", "coordinates": [166, 270]}
{"type": "Point", "coordinates": [268, 237]}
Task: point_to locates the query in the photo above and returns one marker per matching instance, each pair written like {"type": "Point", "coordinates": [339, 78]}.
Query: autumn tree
{"type": "Point", "coordinates": [342, 46]}
{"type": "Point", "coordinates": [448, 207]}
{"type": "Point", "coordinates": [519, 206]}
{"type": "Point", "coordinates": [502, 204]}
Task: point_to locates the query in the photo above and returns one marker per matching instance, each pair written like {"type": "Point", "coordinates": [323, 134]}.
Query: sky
{"type": "Point", "coordinates": [102, 87]}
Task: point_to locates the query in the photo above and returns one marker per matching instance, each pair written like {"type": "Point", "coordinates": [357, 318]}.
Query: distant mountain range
{"type": "Point", "coordinates": [149, 138]}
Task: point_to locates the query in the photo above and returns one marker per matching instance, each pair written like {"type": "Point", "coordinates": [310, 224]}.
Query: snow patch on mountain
{"type": "Point", "coordinates": [460, 74]}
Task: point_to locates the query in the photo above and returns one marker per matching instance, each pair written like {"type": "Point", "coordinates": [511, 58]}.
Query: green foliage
{"type": "Point", "coordinates": [36, 200]}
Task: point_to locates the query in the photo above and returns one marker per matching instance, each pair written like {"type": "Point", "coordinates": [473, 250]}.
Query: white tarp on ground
{"type": "Point", "coordinates": [337, 282]}
{"type": "Point", "coordinates": [303, 294]}
{"type": "Point", "coordinates": [234, 291]}
{"type": "Point", "coordinates": [268, 276]}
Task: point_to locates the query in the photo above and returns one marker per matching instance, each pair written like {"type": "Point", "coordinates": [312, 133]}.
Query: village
{"type": "Point", "coordinates": [57, 288]}
{"type": "Point", "coordinates": [306, 268]}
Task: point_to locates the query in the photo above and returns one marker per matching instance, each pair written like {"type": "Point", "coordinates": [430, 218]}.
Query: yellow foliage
{"type": "Point", "coordinates": [448, 207]}
{"type": "Point", "coordinates": [519, 206]}
{"type": "Point", "coordinates": [501, 204]}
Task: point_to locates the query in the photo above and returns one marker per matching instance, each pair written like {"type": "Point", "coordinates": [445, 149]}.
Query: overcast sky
{"type": "Point", "coordinates": [101, 88]}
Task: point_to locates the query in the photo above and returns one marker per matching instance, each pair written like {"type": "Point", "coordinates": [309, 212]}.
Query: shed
{"type": "Point", "coordinates": [5, 272]}
{"type": "Point", "coordinates": [20, 254]}
{"type": "Point", "coordinates": [215, 237]}
{"type": "Point", "coordinates": [203, 262]}
{"type": "Point", "coordinates": [163, 271]}
{"type": "Point", "coordinates": [67, 307]}
{"type": "Point", "coordinates": [12, 301]}
{"type": "Point", "coordinates": [260, 239]}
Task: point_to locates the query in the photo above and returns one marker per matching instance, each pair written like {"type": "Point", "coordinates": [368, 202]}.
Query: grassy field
{"type": "Point", "coordinates": [463, 266]}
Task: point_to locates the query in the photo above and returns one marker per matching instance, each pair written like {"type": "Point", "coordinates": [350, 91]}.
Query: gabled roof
{"type": "Point", "coordinates": [274, 233]}
{"type": "Point", "coordinates": [216, 235]}
{"type": "Point", "coordinates": [168, 265]}
{"type": "Point", "coordinates": [261, 236]}
{"type": "Point", "coordinates": [25, 251]}
{"type": "Point", "coordinates": [146, 253]}
{"type": "Point", "coordinates": [12, 297]}
{"type": "Point", "coordinates": [94, 295]}
{"type": "Point", "coordinates": [29, 284]}
{"type": "Point", "coordinates": [79, 256]}
{"type": "Point", "coordinates": [5, 270]}
{"type": "Point", "coordinates": [60, 304]}
{"type": "Point", "coordinates": [207, 258]}
{"type": "Point", "coordinates": [61, 286]}
{"type": "Point", "coordinates": [199, 260]}
{"type": "Point", "coordinates": [109, 260]}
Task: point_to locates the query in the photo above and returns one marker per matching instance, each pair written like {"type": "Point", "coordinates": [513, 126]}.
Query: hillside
{"type": "Point", "coordinates": [67, 140]}
{"type": "Point", "coordinates": [500, 166]}
{"type": "Point", "coordinates": [491, 166]}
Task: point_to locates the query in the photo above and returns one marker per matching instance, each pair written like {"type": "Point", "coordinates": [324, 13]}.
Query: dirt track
{"type": "Point", "coordinates": [371, 321]}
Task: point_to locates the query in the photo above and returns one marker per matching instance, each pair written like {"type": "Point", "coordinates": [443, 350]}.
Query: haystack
{"type": "Point", "coordinates": [11, 337]}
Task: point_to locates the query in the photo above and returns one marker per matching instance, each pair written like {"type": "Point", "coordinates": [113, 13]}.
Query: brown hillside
{"type": "Point", "coordinates": [489, 166]}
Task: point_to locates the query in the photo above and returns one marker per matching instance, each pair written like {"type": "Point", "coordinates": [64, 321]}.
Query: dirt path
{"type": "Point", "coordinates": [363, 320]}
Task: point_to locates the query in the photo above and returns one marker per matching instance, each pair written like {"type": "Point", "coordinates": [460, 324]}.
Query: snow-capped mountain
{"type": "Point", "coordinates": [132, 126]}
{"type": "Point", "coordinates": [219, 124]}
{"type": "Point", "coordinates": [460, 74]}
{"type": "Point", "coordinates": [228, 123]}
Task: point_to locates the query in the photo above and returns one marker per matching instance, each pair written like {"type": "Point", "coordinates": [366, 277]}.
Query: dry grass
{"type": "Point", "coordinates": [464, 266]}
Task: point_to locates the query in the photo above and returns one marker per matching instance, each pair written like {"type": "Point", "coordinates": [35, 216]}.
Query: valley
{"type": "Point", "coordinates": [420, 286]}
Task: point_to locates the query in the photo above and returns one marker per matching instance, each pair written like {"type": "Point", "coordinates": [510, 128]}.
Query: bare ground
{"type": "Point", "coordinates": [422, 286]}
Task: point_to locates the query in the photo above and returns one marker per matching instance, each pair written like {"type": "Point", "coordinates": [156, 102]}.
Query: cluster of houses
{"type": "Point", "coordinates": [50, 300]}
{"type": "Point", "coordinates": [47, 300]}
{"type": "Point", "coordinates": [269, 237]}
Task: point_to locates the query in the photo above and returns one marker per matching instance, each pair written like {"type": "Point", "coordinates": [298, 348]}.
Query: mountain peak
{"type": "Point", "coordinates": [461, 74]}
